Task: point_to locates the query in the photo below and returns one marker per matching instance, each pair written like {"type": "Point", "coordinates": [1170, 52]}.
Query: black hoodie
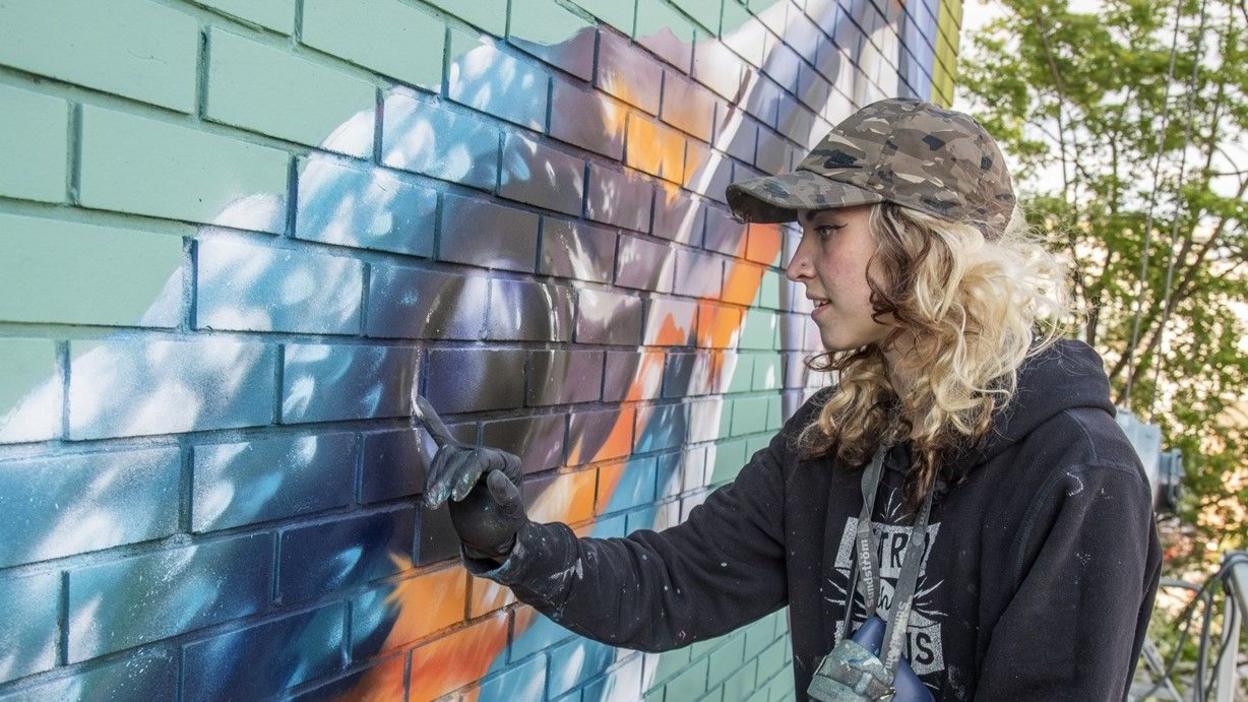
{"type": "Point", "coordinates": [1037, 582]}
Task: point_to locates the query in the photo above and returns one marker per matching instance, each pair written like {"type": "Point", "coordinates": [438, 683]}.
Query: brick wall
{"type": "Point", "coordinates": [236, 234]}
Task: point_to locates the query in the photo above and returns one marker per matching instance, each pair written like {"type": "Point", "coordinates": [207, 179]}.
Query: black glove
{"type": "Point", "coordinates": [487, 514]}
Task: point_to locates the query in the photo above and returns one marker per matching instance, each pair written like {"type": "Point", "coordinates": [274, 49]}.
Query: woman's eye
{"type": "Point", "coordinates": [825, 231]}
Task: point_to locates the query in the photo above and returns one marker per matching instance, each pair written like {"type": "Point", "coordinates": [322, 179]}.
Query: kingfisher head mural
{"type": "Point", "coordinates": [209, 479]}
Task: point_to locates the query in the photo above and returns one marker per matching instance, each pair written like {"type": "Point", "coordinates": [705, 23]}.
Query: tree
{"type": "Point", "coordinates": [1088, 106]}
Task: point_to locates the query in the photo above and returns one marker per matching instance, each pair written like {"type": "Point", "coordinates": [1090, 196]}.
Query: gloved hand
{"type": "Point", "coordinates": [487, 514]}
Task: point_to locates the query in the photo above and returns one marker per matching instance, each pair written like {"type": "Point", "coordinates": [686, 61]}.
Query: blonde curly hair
{"type": "Point", "coordinates": [970, 310]}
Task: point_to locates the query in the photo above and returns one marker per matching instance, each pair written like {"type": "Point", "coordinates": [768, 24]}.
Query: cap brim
{"type": "Point", "coordinates": [780, 198]}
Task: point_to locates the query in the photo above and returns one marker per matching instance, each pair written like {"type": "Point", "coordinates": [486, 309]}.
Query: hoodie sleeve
{"type": "Point", "coordinates": [1086, 574]}
{"type": "Point", "coordinates": [721, 568]}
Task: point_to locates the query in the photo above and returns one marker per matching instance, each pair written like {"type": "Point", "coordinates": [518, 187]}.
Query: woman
{"type": "Point", "coordinates": [966, 465]}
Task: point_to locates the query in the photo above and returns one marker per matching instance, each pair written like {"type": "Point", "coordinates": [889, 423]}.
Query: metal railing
{"type": "Point", "coordinates": [1216, 675]}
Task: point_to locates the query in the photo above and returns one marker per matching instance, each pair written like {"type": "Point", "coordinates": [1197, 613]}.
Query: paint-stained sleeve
{"type": "Point", "coordinates": [1086, 574]}
{"type": "Point", "coordinates": [720, 569]}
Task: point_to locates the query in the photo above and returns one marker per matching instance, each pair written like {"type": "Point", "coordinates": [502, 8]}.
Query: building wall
{"type": "Point", "coordinates": [237, 234]}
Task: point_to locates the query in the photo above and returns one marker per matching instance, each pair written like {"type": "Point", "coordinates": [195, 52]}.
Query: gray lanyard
{"type": "Point", "coordinates": [869, 568]}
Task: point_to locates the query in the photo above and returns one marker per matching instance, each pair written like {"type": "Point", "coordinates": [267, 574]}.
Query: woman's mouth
{"type": "Point", "coordinates": [819, 305]}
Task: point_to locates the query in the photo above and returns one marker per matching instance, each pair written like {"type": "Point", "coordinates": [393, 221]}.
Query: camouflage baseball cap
{"type": "Point", "coordinates": [899, 150]}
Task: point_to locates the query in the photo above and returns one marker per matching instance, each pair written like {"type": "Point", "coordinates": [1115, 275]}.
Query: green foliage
{"type": "Point", "coordinates": [1086, 107]}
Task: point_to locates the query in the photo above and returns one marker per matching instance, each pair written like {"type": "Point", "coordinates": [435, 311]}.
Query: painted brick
{"type": "Point", "coordinates": [395, 614]}
{"type": "Point", "coordinates": [490, 15]}
{"type": "Point", "coordinates": [394, 462]}
{"type": "Point", "coordinates": [428, 137]}
{"type": "Point", "coordinates": [773, 152]}
{"type": "Point", "coordinates": [137, 49]}
{"type": "Point", "coordinates": [328, 556]}
{"type": "Point", "coordinates": [726, 660]}
{"type": "Point", "coordinates": [136, 675]}
{"type": "Point", "coordinates": [633, 376]}
{"type": "Point", "coordinates": [487, 596]}
{"type": "Point", "coordinates": [537, 441]}
{"type": "Point", "coordinates": [429, 673]}
{"type": "Point", "coordinates": [600, 435]}
{"type": "Point", "coordinates": [571, 249]}
{"type": "Point", "coordinates": [812, 89]}
{"type": "Point", "coordinates": [139, 165]}
{"type": "Point", "coordinates": [759, 330]}
{"type": "Point", "coordinates": [325, 383]}
{"type": "Point", "coordinates": [553, 34]}
{"type": "Point", "coordinates": [567, 497]}
{"type": "Point", "coordinates": [34, 132]}
{"type": "Point", "coordinates": [481, 233]}
{"type": "Point", "coordinates": [536, 174]}
{"type": "Point", "coordinates": [669, 322]}
{"type": "Point", "coordinates": [526, 681]}
{"type": "Point", "coordinates": [764, 245]}
{"type": "Point", "coordinates": [617, 14]}
{"type": "Point", "coordinates": [735, 18]}
{"type": "Point", "coordinates": [689, 684]}
{"type": "Point", "coordinates": [766, 372]}
{"type": "Point", "coordinates": [387, 36]}
{"type": "Point", "coordinates": [708, 419]}
{"type": "Point", "coordinates": [661, 427]}
{"type": "Point", "coordinates": [29, 622]}
{"type": "Point", "coordinates": [763, 99]}
{"type": "Point", "coordinates": [30, 395]}
{"type": "Point", "coordinates": [413, 303]}
{"type": "Point", "coordinates": [368, 208]}
{"type": "Point", "coordinates": [718, 68]}
{"type": "Point", "coordinates": [654, 149]}
{"type": "Point", "coordinates": [126, 497]}
{"type": "Point", "coordinates": [483, 78]}
{"type": "Point", "coordinates": [574, 663]}
{"type": "Point", "coordinates": [677, 373]}
{"type": "Point", "coordinates": [745, 279]}
{"type": "Point", "coordinates": [727, 458]}
{"type": "Point", "coordinates": [619, 198]}
{"type": "Point", "coordinates": [718, 326]}
{"type": "Point", "coordinates": [267, 90]}
{"type": "Point", "coordinates": [735, 132]}
{"type": "Point", "coordinates": [724, 233]}
{"type": "Point", "coordinates": [135, 388]}
{"type": "Point", "coordinates": [247, 482]}
{"type": "Point", "coordinates": [564, 377]}
{"type": "Point", "coordinates": [666, 32]}
{"type": "Point", "coordinates": [798, 123]}
{"type": "Point", "coordinates": [768, 294]}
{"type": "Point", "coordinates": [704, 12]}
{"type": "Point", "coordinates": [708, 172]}
{"type": "Point", "coordinates": [525, 311]}
{"type": "Point", "coordinates": [608, 318]}
{"type": "Point", "coordinates": [437, 539]}
{"type": "Point", "coordinates": [130, 277]}
{"type": "Point", "coordinates": [628, 73]}
{"type": "Point", "coordinates": [661, 667]}
{"type": "Point", "coordinates": [688, 106]}
{"type": "Point", "coordinates": [749, 415]}
{"type": "Point", "coordinates": [193, 586]}
{"type": "Point", "coordinates": [679, 218]}
{"type": "Point", "coordinates": [475, 382]}
{"type": "Point", "coordinates": [587, 118]}
{"type": "Point", "coordinates": [392, 668]}
{"type": "Point", "coordinates": [236, 280]}
{"type": "Point", "coordinates": [278, 15]}
{"type": "Point", "coordinates": [698, 274]}
{"type": "Point", "coordinates": [644, 264]}
{"type": "Point", "coordinates": [294, 648]}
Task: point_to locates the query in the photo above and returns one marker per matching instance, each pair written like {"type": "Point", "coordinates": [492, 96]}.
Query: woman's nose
{"type": "Point", "coordinates": [799, 266]}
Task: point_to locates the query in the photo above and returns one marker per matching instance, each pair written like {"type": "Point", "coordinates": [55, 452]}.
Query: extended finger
{"type": "Point", "coordinates": [468, 475]}
{"type": "Point", "coordinates": [456, 466]}
{"type": "Point", "coordinates": [428, 416]}
{"type": "Point", "coordinates": [437, 468]}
